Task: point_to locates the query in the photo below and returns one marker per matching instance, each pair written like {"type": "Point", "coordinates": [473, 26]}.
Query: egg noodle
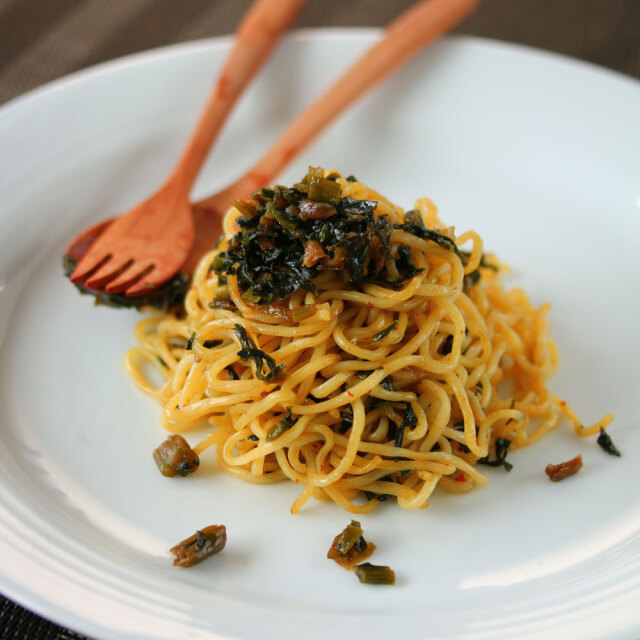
{"type": "Point", "coordinates": [468, 361]}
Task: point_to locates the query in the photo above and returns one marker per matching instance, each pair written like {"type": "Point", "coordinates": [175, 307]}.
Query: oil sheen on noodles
{"type": "Point", "coordinates": [466, 359]}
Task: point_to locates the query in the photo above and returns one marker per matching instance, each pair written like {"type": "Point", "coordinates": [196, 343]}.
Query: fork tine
{"type": "Point", "coordinates": [151, 278]}
{"type": "Point", "coordinates": [162, 273]}
{"type": "Point", "coordinates": [91, 261]}
{"type": "Point", "coordinates": [149, 281]}
{"type": "Point", "coordinates": [116, 266]}
{"type": "Point", "coordinates": [124, 280]}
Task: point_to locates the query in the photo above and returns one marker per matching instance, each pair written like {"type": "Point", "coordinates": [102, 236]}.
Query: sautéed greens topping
{"type": "Point", "coordinates": [288, 236]}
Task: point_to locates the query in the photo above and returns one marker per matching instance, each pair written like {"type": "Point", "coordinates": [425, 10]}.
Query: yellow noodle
{"type": "Point", "coordinates": [467, 364]}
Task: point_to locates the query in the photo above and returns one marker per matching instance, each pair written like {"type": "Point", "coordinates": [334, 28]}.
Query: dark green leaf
{"type": "Point", "coordinates": [502, 447]}
{"type": "Point", "coordinates": [350, 536]}
{"type": "Point", "coordinates": [375, 574]}
{"type": "Point", "coordinates": [409, 420]}
{"type": "Point", "coordinates": [231, 371]}
{"type": "Point", "coordinates": [266, 369]}
{"type": "Point", "coordinates": [347, 420]}
{"type": "Point", "coordinates": [385, 332]}
{"type": "Point", "coordinates": [605, 442]}
{"type": "Point", "coordinates": [284, 425]}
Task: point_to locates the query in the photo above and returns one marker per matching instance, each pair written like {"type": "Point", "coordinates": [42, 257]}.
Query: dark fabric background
{"type": "Point", "coordinates": [44, 39]}
{"type": "Point", "coordinates": [41, 40]}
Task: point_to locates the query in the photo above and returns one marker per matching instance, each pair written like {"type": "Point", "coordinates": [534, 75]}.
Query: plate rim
{"type": "Point", "coordinates": [39, 605]}
{"type": "Point", "coordinates": [301, 34]}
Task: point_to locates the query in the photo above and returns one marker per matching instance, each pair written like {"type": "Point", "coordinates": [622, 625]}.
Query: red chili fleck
{"type": "Point", "coordinates": [350, 394]}
{"type": "Point", "coordinates": [370, 305]}
{"type": "Point", "coordinates": [460, 478]}
{"type": "Point", "coordinates": [297, 481]}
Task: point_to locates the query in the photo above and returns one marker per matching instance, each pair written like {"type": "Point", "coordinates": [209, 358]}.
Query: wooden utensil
{"type": "Point", "coordinates": [143, 248]}
{"type": "Point", "coordinates": [402, 40]}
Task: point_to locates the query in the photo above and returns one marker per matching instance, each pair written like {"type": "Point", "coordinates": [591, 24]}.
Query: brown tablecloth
{"type": "Point", "coordinates": [41, 40]}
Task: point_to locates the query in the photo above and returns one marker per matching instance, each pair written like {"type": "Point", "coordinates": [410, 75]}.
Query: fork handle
{"type": "Point", "coordinates": [257, 35]}
{"type": "Point", "coordinates": [402, 40]}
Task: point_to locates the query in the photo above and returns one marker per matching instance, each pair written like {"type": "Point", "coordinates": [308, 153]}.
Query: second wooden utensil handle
{"type": "Point", "coordinates": [403, 39]}
{"type": "Point", "coordinates": [258, 33]}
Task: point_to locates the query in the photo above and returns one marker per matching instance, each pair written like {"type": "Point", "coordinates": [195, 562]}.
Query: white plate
{"type": "Point", "coordinates": [538, 153]}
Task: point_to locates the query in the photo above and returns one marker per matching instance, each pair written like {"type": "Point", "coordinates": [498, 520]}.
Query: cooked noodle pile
{"type": "Point", "coordinates": [374, 391]}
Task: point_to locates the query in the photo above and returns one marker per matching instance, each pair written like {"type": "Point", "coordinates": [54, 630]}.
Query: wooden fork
{"type": "Point", "coordinates": [403, 39]}
{"type": "Point", "coordinates": [143, 248]}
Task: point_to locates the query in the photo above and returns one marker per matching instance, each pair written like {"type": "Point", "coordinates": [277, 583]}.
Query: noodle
{"type": "Point", "coordinates": [380, 392]}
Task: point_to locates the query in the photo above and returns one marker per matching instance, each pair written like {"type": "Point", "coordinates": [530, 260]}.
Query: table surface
{"type": "Point", "coordinates": [42, 40]}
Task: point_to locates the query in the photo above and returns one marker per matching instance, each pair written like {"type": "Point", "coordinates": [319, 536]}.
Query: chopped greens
{"type": "Point", "coordinates": [350, 536]}
{"type": "Point", "coordinates": [175, 457]}
{"type": "Point", "coordinates": [385, 332]}
{"type": "Point", "coordinates": [375, 574]}
{"type": "Point", "coordinates": [558, 472]}
{"type": "Point", "coordinates": [200, 545]}
{"type": "Point", "coordinates": [502, 447]}
{"type": "Point", "coordinates": [288, 236]}
{"type": "Point", "coordinates": [380, 497]}
{"type": "Point", "coordinates": [414, 224]}
{"type": "Point", "coordinates": [266, 369]}
{"type": "Point", "coordinates": [387, 383]}
{"type": "Point", "coordinates": [284, 425]}
{"type": "Point", "coordinates": [474, 277]}
{"type": "Point", "coordinates": [446, 346]}
{"type": "Point", "coordinates": [606, 443]}
{"type": "Point", "coordinates": [322, 189]}
{"type": "Point", "coordinates": [409, 420]}
{"type": "Point", "coordinates": [349, 547]}
{"type": "Point", "coordinates": [346, 419]}
{"type": "Point", "coordinates": [232, 373]}
{"type": "Point", "coordinates": [470, 279]}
